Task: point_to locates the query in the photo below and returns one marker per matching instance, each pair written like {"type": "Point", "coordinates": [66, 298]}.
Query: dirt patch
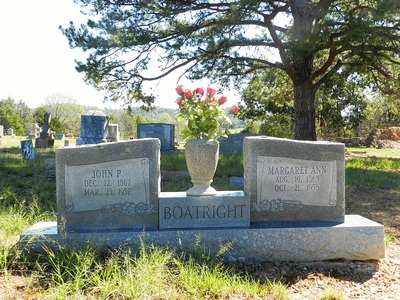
{"type": "Point", "coordinates": [387, 138]}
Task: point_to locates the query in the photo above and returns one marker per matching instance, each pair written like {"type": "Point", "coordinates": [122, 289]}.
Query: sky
{"type": "Point", "coordinates": [36, 60]}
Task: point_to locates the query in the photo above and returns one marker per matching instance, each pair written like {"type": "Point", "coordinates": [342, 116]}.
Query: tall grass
{"type": "Point", "coordinates": [377, 173]}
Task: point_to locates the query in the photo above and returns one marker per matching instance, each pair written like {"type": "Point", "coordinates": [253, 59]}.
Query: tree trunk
{"type": "Point", "coordinates": [302, 66]}
{"type": "Point", "coordinates": [304, 110]}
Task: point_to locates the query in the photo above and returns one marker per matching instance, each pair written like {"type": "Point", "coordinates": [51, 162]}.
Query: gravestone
{"type": "Point", "coordinates": [109, 186]}
{"type": "Point", "coordinates": [33, 130]}
{"type": "Point", "coordinates": [294, 180]}
{"type": "Point", "coordinates": [27, 149]}
{"type": "Point", "coordinates": [59, 136]}
{"type": "Point", "coordinates": [10, 132]}
{"type": "Point", "coordinates": [1, 130]}
{"type": "Point", "coordinates": [164, 132]}
{"type": "Point", "coordinates": [93, 130]}
{"type": "Point", "coordinates": [109, 194]}
{"type": "Point", "coordinates": [233, 143]}
{"type": "Point", "coordinates": [45, 140]}
{"type": "Point", "coordinates": [113, 133]}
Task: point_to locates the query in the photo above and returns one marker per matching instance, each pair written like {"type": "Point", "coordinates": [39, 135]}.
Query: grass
{"type": "Point", "coordinates": [27, 196]}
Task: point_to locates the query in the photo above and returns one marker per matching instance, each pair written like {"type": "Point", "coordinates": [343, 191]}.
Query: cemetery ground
{"type": "Point", "coordinates": [27, 196]}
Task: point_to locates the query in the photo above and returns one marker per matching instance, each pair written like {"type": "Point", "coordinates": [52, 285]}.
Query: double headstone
{"type": "Point", "coordinates": [292, 206]}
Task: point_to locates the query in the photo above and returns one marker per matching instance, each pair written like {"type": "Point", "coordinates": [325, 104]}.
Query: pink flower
{"type": "Point", "coordinates": [209, 99]}
{"type": "Point", "coordinates": [179, 90]}
{"type": "Point", "coordinates": [222, 100]}
{"type": "Point", "coordinates": [188, 94]}
{"type": "Point", "coordinates": [211, 92]}
{"type": "Point", "coordinates": [180, 102]}
{"type": "Point", "coordinates": [234, 109]}
{"type": "Point", "coordinates": [199, 91]}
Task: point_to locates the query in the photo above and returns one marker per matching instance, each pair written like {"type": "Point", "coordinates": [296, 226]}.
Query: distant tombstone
{"type": "Point", "coordinates": [164, 132]}
{"type": "Point", "coordinates": [59, 136]}
{"type": "Point", "coordinates": [27, 149]}
{"type": "Point", "coordinates": [110, 186]}
{"type": "Point", "coordinates": [93, 130]}
{"type": "Point", "coordinates": [10, 132]}
{"type": "Point", "coordinates": [294, 180]}
{"type": "Point", "coordinates": [113, 133]}
{"type": "Point", "coordinates": [1, 130]}
{"type": "Point", "coordinates": [33, 130]}
{"type": "Point", "coordinates": [233, 143]}
{"type": "Point", "coordinates": [45, 140]}
{"type": "Point", "coordinates": [45, 133]}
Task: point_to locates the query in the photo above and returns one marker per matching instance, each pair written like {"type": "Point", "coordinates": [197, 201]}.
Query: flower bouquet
{"type": "Point", "coordinates": [204, 115]}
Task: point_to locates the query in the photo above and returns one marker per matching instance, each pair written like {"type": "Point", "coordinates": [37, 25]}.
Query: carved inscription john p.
{"type": "Point", "coordinates": [106, 185]}
{"type": "Point", "coordinates": [287, 181]}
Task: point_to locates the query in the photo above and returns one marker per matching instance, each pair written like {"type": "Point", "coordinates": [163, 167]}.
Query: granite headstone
{"type": "Point", "coordinates": [109, 186]}
{"type": "Point", "coordinates": [292, 180]}
{"type": "Point", "coordinates": [93, 130]}
{"type": "Point", "coordinates": [164, 132]}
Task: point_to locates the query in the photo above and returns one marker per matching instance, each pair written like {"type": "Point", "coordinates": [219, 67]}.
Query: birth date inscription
{"type": "Point", "coordinates": [94, 186]}
{"type": "Point", "coordinates": [296, 182]}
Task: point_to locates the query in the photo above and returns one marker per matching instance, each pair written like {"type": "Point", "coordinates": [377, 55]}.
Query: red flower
{"type": "Point", "coordinates": [180, 102]}
{"type": "Point", "coordinates": [199, 91]}
{"type": "Point", "coordinates": [222, 100]}
{"type": "Point", "coordinates": [188, 94]}
{"type": "Point", "coordinates": [234, 109]}
{"type": "Point", "coordinates": [211, 92]}
{"type": "Point", "coordinates": [179, 90]}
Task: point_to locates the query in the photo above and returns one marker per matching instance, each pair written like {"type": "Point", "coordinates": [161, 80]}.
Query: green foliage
{"type": "Point", "coordinates": [65, 112]}
{"type": "Point", "coordinates": [9, 118]}
{"type": "Point", "coordinates": [230, 41]}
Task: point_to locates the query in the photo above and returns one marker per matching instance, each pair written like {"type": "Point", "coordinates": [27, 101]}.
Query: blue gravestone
{"type": "Point", "coordinates": [27, 149]}
{"type": "Point", "coordinates": [93, 128]}
{"type": "Point", "coordinates": [233, 143]}
{"type": "Point", "coordinates": [164, 132]}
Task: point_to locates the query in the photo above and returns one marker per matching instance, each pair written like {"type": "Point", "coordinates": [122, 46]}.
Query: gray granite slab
{"type": "Point", "coordinates": [292, 180]}
{"type": "Point", "coordinates": [108, 186]}
{"type": "Point", "coordinates": [226, 209]}
{"type": "Point", "coordinates": [357, 238]}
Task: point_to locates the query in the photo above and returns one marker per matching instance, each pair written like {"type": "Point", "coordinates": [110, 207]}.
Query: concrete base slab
{"type": "Point", "coordinates": [357, 238]}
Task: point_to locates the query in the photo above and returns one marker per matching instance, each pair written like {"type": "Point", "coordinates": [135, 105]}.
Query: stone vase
{"type": "Point", "coordinates": [201, 160]}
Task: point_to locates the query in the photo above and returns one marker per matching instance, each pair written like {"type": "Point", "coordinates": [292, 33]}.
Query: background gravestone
{"type": "Point", "coordinates": [233, 143]}
{"type": "Point", "coordinates": [10, 132]}
{"type": "Point", "coordinates": [93, 130]}
{"type": "Point", "coordinates": [1, 130]}
{"type": "Point", "coordinates": [164, 132]}
{"type": "Point", "coordinates": [292, 180]}
{"type": "Point", "coordinates": [113, 134]}
{"type": "Point", "coordinates": [27, 149]}
{"type": "Point", "coordinates": [45, 140]}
